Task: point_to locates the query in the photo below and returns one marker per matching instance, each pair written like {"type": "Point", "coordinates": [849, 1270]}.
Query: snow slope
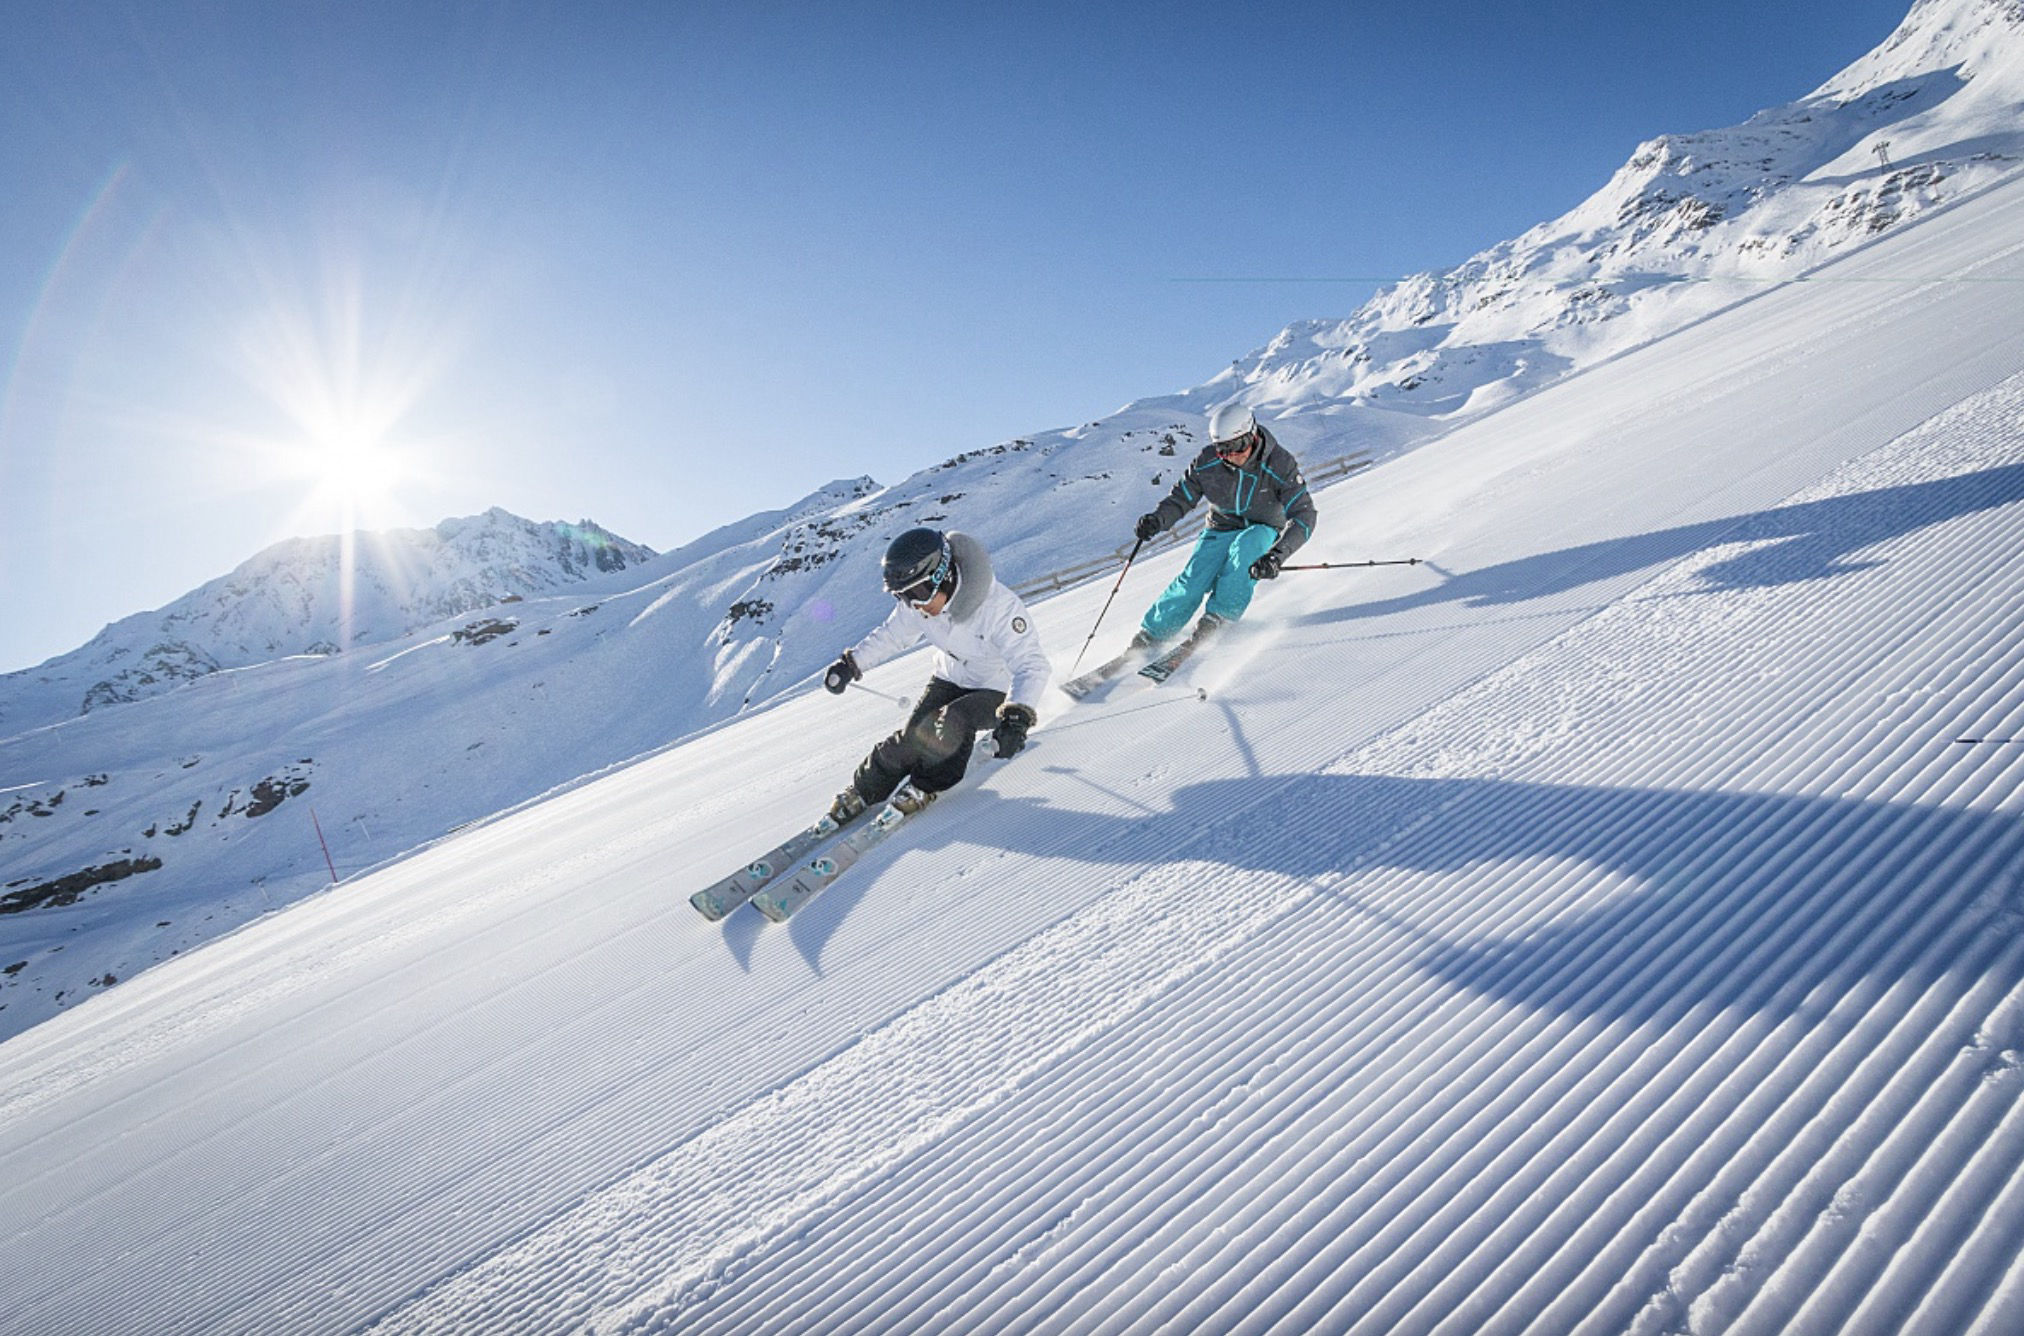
{"type": "Point", "coordinates": [207, 797]}
{"type": "Point", "coordinates": [1603, 927]}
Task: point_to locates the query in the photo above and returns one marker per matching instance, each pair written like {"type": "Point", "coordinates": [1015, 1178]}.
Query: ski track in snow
{"type": "Point", "coordinates": [1494, 1080]}
{"type": "Point", "coordinates": [1600, 929]}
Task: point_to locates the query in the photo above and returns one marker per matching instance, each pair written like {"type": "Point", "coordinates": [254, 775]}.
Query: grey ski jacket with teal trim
{"type": "Point", "coordinates": [1268, 490]}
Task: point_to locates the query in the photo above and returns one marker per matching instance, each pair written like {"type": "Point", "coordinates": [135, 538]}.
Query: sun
{"type": "Point", "coordinates": [355, 469]}
{"type": "Point", "coordinates": [351, 476]}
{"type": "Point", "coordinates": [339, 375]}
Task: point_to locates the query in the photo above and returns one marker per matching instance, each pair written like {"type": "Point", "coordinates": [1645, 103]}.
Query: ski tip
{"type": "Point", "coordinates": [1082, 688]}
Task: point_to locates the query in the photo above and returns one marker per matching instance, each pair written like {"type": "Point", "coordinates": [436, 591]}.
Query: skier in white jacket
{"type": "Point", "coordinates": [988, 673]}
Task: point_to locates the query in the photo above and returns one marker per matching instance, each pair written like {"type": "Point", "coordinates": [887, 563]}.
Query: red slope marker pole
{"type": "Point", "coordinates": [326, 846]}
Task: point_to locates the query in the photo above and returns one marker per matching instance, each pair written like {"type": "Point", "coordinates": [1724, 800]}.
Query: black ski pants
{"type": "Point", "coordinates": [933, 748]}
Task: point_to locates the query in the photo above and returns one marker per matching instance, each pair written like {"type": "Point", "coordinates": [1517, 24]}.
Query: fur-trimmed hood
{"type": "Point", "coordinates": [973, 576]}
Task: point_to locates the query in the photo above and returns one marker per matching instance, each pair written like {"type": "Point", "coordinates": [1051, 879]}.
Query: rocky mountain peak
{"type": "Point", "coordinates": [316, 595]}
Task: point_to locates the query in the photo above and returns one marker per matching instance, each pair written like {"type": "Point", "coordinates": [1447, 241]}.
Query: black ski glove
{"type": "Point", "coordinates": [1010, 735]}
{"type": "Point", "coordinates": [1267, 566]}
{"type": "Point", "coordinates": [841, 674]}
{"type": "Point", "coordinates": [1147, 528]}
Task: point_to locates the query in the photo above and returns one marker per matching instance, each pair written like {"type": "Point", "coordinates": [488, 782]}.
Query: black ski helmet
{"type": "Point", "coordinates": [917, 563]}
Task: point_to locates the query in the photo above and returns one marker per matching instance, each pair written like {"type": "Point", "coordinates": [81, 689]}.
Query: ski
{"type": "Point", "coordinates": [1164, 667]}
{"type": "Point", "coordinates": [715, 901]}
{"type": "Point", "coordinates": [778, 902]}
{"type": "Point", "coordinates": [1079, 687]}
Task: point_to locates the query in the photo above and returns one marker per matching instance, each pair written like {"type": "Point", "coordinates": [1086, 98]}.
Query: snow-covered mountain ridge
{"type": "Point", "coordinates": [138, 831]}
{"type": "Point", "coordinates": [315, 596]}
{"type": "Point", "coordinates": [1690, 224]}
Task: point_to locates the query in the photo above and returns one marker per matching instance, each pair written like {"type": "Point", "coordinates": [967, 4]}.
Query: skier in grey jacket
{"type": "Point", "coordinates": [989, 672]}
{"type": "Point", "coordinates": [1260, 512]}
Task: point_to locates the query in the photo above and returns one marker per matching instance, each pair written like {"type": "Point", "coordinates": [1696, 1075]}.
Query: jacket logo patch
{"type": "Point", "coordinates": [1019, 626]}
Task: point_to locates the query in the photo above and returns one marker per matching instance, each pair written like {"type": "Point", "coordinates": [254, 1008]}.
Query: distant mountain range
{"type": "Point", "coordinates": [154, 783]}
{"type": "Point", "coordinates": [315, 596]}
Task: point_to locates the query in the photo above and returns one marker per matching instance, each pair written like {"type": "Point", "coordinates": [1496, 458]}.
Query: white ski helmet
{"type": "Point", "coordinates": [1230, 422]}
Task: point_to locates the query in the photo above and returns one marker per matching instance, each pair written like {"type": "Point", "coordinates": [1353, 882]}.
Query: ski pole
{"type": "Point", "coordinates": [880, 694]}
{"type": "Point", "coordinates": [1346, 565]}
{"type": "Point", "coordinates": [1106, 605]}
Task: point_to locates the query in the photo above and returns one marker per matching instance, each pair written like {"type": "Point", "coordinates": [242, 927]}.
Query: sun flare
{"type": "Point", "coordinates": [340, 369]}
{"type": "Point", "coordinates": [355, 469]}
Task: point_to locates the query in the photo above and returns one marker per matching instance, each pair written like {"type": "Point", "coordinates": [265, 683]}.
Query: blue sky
{"type": "Point", "coordinates": [269, 267]}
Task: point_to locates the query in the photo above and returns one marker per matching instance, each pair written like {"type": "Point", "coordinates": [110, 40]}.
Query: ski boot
{"type": "Point", "coordinates": [848, 807]}
{"type": "Point", "coordinates": [910, 800]}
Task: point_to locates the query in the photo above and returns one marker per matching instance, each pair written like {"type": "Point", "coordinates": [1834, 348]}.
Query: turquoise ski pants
{"type": "Point", "coordinates": [1219, 571]}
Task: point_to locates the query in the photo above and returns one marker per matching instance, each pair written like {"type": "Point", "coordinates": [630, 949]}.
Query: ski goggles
{"type": "Point", "coordinates": [1236, 445]}
{"type": "Point", "coordinates": [917, 594]}
{"type": "Point", "coordinates": [923, 590]}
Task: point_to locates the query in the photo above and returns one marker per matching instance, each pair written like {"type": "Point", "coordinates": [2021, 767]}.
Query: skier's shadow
{"type": "Point", "coordinates": [1765, 902]}
{"type": "Point", "coordinates": [1809, 540]}
{"type": "Point", "coordinates": [742, 930]}
{"type": "Point", "coordinates": [816, 922]}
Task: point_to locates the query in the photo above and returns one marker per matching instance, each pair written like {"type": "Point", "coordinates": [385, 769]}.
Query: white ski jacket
{"type": "Point", "coordinates": [985, 637]}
